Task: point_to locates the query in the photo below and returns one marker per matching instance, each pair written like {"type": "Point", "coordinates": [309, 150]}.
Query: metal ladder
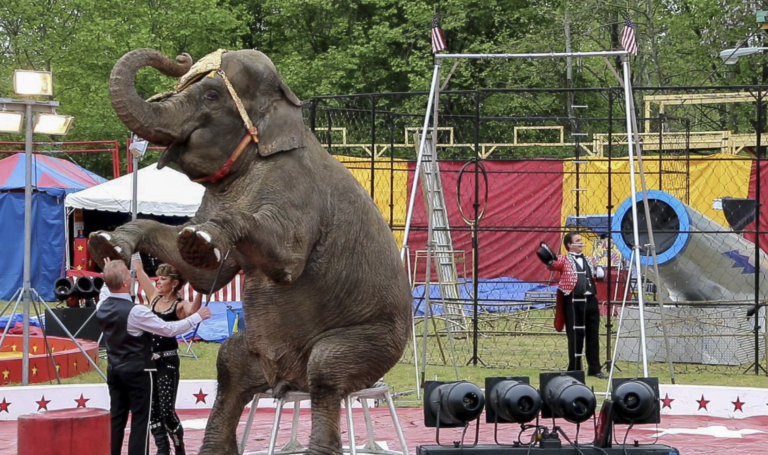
{"type": "Point", "coordinates": [579, 356]}
{"type": "Point", "coordinates": [443, 252]}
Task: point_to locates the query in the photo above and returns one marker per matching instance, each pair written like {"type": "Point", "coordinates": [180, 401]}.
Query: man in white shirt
{"type": "Point", "coordinates": [127, 334]}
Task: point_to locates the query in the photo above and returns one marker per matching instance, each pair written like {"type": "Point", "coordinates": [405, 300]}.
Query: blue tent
{"type": "Point", "coordinates": [52, 179]}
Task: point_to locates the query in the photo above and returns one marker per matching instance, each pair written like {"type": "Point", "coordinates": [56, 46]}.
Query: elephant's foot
{"type": "Point", "coordinates": [102, 245]}
{"type": "Point", "coordinates": [196, 248]}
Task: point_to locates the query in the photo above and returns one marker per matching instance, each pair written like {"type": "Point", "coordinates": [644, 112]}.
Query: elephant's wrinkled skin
{"type": "Point", "coordinates": [326, 299]}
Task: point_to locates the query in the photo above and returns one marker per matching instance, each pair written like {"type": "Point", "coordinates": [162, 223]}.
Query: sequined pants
{"type": "Point", "coordinates": [164, 394]}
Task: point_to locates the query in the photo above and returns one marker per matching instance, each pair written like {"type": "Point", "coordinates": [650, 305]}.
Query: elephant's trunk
{"type": "Point", "coordinates": [143, 118]}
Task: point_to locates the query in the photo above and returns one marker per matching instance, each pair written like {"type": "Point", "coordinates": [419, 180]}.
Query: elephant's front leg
{"type": "Point", "coordinates": [158, 240]}
{"type": "Point", "coordinates": [239, 378]}
{"type": "Point", "coordinates": [205, 245]}
{"type": "Point", "coordinates": [264, 239]}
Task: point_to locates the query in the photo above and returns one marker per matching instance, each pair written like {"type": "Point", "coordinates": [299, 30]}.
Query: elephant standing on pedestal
{"type": "Point", "coordinates": [326, 299]}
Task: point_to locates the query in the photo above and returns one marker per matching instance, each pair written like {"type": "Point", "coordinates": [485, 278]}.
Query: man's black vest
{"type": "Point", "coordinates": [584, 282]}
{"type": "Point", "coordinates": [125, 352]}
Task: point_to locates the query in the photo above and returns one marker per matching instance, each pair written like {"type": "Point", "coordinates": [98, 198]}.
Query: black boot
{"type": "Point", "coordinates": [161, 440]}
{"type": "Point", "coordinates": [177, 437]}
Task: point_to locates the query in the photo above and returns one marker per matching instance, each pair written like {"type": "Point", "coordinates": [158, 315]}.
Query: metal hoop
{"type": "Point", "coordinates": [480, 214]}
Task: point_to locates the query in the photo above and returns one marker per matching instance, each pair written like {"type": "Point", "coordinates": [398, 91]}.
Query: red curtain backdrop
{"type": "Point", "coordinates": [524, 198]}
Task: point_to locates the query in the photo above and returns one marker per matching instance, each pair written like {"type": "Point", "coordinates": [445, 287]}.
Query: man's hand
{"type": "Point", "coordinates": [204, 313]}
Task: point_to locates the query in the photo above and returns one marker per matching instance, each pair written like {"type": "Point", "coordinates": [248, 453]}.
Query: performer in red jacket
{"type": "Point", "coordinates": [576, 301]}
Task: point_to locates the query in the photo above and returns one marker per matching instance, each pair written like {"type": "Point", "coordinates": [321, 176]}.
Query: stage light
{"type": "Point", "coordinates": [636, 400]}
{"type": "Point", "coordinates": [98, 282]}
{"type": "Point", "coordinates": [63, 288]}
{"type": "Point", "coordinates": [10, 122]}
{"type": "Point", "coordinates": [451, 404]}
{"type": "Point", "coordinates": [33, 82]}
{"type": "Point", "coordinates": [53, 124]}
{"type": "Point", "coordinates": [566, 396]}
{"type": "Point", "coordinates": [511, 400]}
{"type": "Point", "coordinates": [84, 287]}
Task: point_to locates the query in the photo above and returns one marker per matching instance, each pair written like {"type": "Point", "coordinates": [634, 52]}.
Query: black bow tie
{"type": "Point", "coordinates": [577, 255]}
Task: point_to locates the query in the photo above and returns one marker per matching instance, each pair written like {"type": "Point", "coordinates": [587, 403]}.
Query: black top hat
{"type": "Point", "coordinates": [545, 254]}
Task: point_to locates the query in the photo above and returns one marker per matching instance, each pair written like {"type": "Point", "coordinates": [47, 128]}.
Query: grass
{"type": "Point", "coordinates": [403, 381]}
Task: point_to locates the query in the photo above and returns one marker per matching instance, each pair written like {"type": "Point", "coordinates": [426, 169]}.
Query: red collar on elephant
{"type": "Point", "coordinates": [251, 135]}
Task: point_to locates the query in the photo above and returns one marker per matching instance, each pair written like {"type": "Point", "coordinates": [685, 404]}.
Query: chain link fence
{"type": "Point", "coordinates": [519, 167]}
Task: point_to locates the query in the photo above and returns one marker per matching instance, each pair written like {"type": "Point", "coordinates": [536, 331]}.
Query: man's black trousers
{"type": "Point", "coordinates": [582, 311]}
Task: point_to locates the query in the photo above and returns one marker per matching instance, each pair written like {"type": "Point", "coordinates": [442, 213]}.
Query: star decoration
{"type": "Point", "coordinates": [14, 348]}
{"type": "Point", "coordinates": [58, 367]}
{"type": "Point", "coordinates": [81, 401]}
{"type": "Point", "coordinates": [200, 396]}
{"type": "Point", "coordinates": [6, 373]}
{"type": "Point", "coordinates": [74, 364]}
{"type": "Point", "coordinates": [738, 404]}
{"type": "Point", "coordinates": [43, 403]}
{"type": "Point", "coordinates": [79, 267]}
{"type": "Point", "coordinates": [34, 371]}
{"type": "Point", "coordinates": [80, 248]}
{"type": "Point", "coordinates": [4, 406]}
{"type": "Point", "coordinates": [703, 403]}
{"type": "Point", "coordinates": [34, 349]}
{"type": "Point", "coordinates": [666, 401]}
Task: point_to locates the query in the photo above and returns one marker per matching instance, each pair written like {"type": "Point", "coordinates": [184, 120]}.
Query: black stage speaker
{"type": "Point", "coordinates": [485, 449]}
{"type": "Point", "coordinates": [73, 319]}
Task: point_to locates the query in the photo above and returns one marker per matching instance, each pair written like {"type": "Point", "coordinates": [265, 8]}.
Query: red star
{"type": "Point", "coordinates": [43, 403]}
{"type": "Point", "coordinates": [81, 401]}
{"type": "Point", "coordinates": [737, 405]}
{"type": "Point", "coordinates": [200, 396]}
{"type": "Point", "coordinates": [703, 403]}
{"type": "Point", "coordinates": [4, 406]}
{"type": "Point", "coordinates": [666, 401]}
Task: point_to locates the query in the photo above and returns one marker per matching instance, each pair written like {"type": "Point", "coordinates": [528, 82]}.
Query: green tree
{"type": "Point", "coordinates": [80, 41]}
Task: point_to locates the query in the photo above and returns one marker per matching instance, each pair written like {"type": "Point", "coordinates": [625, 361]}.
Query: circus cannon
{"type": "Point", "coordinates": [698, 259]}
{"type": "Point", "coordinates": [326, 299]}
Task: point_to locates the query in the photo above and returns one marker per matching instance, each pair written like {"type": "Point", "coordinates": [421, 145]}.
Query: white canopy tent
{"type": "Point", "coordinates": [163, 192]}
{"type": "Point", "coordinates": [160, 192]}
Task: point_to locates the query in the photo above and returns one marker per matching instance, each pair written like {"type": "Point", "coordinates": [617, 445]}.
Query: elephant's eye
{"type": "Point", "coordinates": [211, 95]}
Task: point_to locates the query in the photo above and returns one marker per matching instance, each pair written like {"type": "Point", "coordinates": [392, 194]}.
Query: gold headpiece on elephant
{"type": "Point", "coordinates": [206, 66]}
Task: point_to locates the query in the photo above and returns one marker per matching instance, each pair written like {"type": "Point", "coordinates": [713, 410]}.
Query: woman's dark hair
{"type": "Point", "coordinates": [171, 272]}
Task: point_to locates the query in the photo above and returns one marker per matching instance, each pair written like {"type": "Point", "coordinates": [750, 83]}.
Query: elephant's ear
{"type": "Point", "coordinates": [282, 128]}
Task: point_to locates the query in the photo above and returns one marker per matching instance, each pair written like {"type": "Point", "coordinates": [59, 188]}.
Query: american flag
{"type": "Point", "coordinates": [438, 38]}
{"type": "Point", "coordinates": [628, 37]}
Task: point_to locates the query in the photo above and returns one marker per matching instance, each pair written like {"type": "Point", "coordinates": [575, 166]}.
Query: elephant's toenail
{"type": "Point", "coordinates": [206, 236]}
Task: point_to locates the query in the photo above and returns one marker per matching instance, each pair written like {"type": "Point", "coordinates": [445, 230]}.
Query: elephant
{"type": "Point", "coordinates": [326, 299]}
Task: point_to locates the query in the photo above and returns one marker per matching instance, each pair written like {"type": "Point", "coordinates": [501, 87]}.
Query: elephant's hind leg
{"type": "Point", "coordinates": [239, 378]}
{"type": "Point", "coordinates": [340, 364]}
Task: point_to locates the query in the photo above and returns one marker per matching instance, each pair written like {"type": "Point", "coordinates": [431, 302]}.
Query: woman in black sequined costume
{"type": "Point", "coordinates": [166, 302]}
